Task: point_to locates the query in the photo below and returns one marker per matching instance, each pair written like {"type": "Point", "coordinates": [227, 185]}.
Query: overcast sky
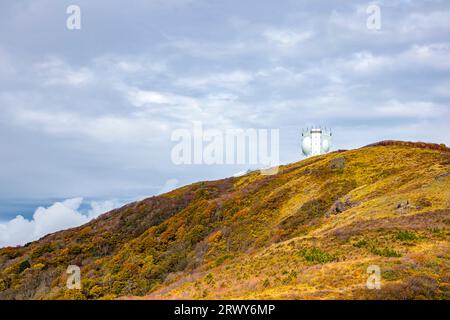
{"type": "Point", "coordinates": [89, 113]}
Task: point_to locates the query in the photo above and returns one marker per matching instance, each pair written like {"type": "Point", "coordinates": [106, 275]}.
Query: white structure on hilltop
{"type": "Point", "coordinates": [316, 141]}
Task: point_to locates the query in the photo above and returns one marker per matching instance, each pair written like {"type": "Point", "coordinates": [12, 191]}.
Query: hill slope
{"type": "Point", "coordinates": [308, 232]}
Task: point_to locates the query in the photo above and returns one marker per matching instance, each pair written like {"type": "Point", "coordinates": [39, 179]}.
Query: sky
{"type": "Point", "coordinates": [87, 115]}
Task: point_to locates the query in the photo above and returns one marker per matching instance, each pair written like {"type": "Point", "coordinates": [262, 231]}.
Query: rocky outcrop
{"type": "Point", "coordinates": [403, 206]}
{"type": "Point", "coordinates": [340, 206]}
{"type": "Point", "coordinates": [337, 163]}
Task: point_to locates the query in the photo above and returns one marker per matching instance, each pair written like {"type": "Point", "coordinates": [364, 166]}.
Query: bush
{"type": "Point", "coordinates": [3, 285]}
{"type": "Point", "coordinates": [406, 236]}
{"type": "Point", "coordinates": [266, 283]}
{"type": "Point", "coordinates": [96, 292]}
{"type": "Point", "coordinates": [196, 234]}
{"type": "Point", "coordinates": [39, 251]}
{"type": "Point", "coordinates": [222, 259]}
{"type": "Point", "coordinates": [391, 275]}
{"type": "Point", "coordinates": [308, 211]}
{"type": "Point", "coordinates": [316, 255]}
{"type": "Point", "coordinates": [75, 250]}
{"type": "Point", "coordinates": [316, 208]}
{"type": "Point", "coordinates": [361, 244]}
{"type": "Point", "coordinates": [38, 266]}
{"type": "Point", "coordinates": [373, 248]}
{"type": "Point", "coordinates": [209, 279]}
{"type": "Point", "coordinates": [385, 252]}
{"type": "Point", "coordinates": [23, 266]}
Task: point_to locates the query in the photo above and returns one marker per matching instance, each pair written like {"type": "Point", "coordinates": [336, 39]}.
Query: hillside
{"type": "Point", "coordinates": [308, 232]}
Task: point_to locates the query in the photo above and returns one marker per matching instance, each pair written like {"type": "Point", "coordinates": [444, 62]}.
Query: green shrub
{"type": "Point", "coordinates": [316, 255]}
{"type": "Point", "coordinates": [75, 250]}
{"type": "Point", "coordinates": [391, 275]}
{"type": "Point", "coordinates": [222, 259]}
{"type": "Point", "coordinates": [291, 276]}
{"type": "Point", "coordinates": [385, 252]}
{"type": "Point", "coordinates": [23, 266]}
{"type": "Point", "coordinates": [308, 211]}
{"type": "Point", "coordinates": [373, 248]}
{"type": "Point", "coordinates": [313, 209]}
{"type": "Point", "coordinates": [361, 244]}
{"type": "Point", "coordinates": [406, 236]}
{"type": "Point", "coordinates": [209, 279]}
{"type": "Point", "coordinates": [196, 234]}
{"type": "Point", "coordinates": [39, 251]}
{"type": "Point", "coordinates": [2, 285]}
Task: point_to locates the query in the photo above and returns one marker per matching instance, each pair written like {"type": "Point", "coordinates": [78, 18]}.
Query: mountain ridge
{"type": "Point", "coordinates": [209, 239]}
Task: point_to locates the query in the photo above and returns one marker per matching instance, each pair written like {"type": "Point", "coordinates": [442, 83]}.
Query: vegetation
{"type": "Point", "coordinates": [260, 236]}
{"type": "Point", "coordinates": [316, 255]}
{"type": "Point", "coordinates": [405, 235]}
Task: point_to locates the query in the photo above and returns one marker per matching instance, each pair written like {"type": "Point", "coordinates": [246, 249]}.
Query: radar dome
{"type": "Point", "coordinates": [306, 146]}
{"type": "Point", "coordinates": [325, 144]}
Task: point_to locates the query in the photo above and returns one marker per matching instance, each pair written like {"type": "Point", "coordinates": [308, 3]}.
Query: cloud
{"type": "Point", "coordinates": [103, 128]}
{"type": "Point", "coordinates": [118, 66]}
{"type": "Point", "coordinates": [58, 216]}
{"type": "Point", "coordinates": [139, 97]}
{"type": "Point", "coordinates": [435, 55]}
{"type": "Point", "coordinates": [55, 72]}
{"type": "Point", "coordinates": [162, 106]}
{"type": "Point", "coordinates": [214, 107]}
{"type": "Point", "coordinates": [411, 109]}
{"type": "Point", "coordinates": [209, 49]}
{"type": "Point", "coordinates": [425, 23]}
{"type": "Point", "coordinates": [286, 37]}
{"type": "Point", "coordinates": [169, 185]}
{"type": "Point", "coordinates": [233, 80]}
{"type": "Point", "coordinates": [94, 118]}
{"type": "Point", "coordinates": [366, 63]}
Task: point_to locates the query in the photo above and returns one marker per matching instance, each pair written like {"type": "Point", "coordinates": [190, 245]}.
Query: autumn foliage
{"type": "Point", "coordinates": [260, 236]}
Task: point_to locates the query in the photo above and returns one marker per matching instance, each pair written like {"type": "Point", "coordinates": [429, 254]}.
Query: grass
{"type": "Point", "coordinates": [376, 248]}
{"type": "Point", "coordinates": [315, 255]}
{"type": "Point", "coordinates": [385, 252]}
{"type": "Point", "coordinates": [406, 236]}
{"type": "Point", "coordinates": [259, 236]}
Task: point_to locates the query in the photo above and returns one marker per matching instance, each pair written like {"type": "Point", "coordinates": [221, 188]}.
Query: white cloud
{"type": "Point", "coordinates": [103, 128]}
{"type": "Point", "coordinates": [353, 21]}
{"type": "Point", "coordinates": [142, 97]}
{"type": "Point", "coordinates": [169, 185]}
{"type": "Point", "coordinates": [56, 72]}
{"type": "Point", "coordinates": [429, 57]}
{"type": "Point", "coordinates": [436, 56]}
{"type": "Point", "coordinates": [129, 66]}
{"type": "Point", "coordinates": [419, 23]}
{"type": "Point", "coordinates": [366, 63]}
{"type": "Point", "coordinates": [285, 37]}
{"type": "Point", "coordinates": [233, 80]}
{"type": "Point", "coordinates": [100, 207]}
{"type": "Point", "coordinates": [410, 109]}
{"type": "Point", "coordinates": [164, 106]}
{"type": "Point", "coordinates": [118, 65]}
{"type": "Point", "coordinates": [58, 216]}
{"type": "Point", "coordinates": [213, 108]}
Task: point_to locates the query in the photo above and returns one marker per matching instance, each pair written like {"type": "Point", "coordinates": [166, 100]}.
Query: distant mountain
{"type": "Point", "coordinates": [309, 232]}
